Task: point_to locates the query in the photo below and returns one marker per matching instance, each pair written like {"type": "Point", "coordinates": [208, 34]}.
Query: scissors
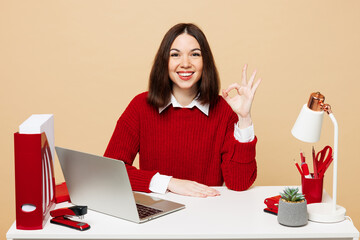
{"type": "Point", "coordinates": [323, 160]}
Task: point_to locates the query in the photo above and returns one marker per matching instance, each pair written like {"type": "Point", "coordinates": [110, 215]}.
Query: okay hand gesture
{"type": "Point", "coordinates": [242, 101]}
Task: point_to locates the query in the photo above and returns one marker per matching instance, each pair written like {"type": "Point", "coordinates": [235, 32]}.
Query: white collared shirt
{"type": "Point", "coordinates": [159, 183]}
{"type": "Point", "coordinates": [204, 108]}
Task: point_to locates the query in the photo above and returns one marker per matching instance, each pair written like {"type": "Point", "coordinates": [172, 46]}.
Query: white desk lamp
{"type": "Point", "coordinates": [307, 128]}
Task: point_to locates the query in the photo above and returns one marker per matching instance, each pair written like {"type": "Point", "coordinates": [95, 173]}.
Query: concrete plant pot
{"type": "Point", "coordinates": [292, 214]}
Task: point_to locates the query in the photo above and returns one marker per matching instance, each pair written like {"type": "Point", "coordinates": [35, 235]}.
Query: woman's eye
{"type": "Point", "coordinates": [196, 55]}
{"type": "Point", "coordinates": [174, 55]}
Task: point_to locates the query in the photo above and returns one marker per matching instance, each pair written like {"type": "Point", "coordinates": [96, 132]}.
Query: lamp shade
{"type": "Point", "coordinates": [307, 127]}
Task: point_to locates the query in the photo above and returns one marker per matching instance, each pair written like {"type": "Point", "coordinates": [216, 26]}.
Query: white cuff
{"type": "Point", "coordinates": [244, 135]}
{"type": "Point", "coordinates": [159, 183]}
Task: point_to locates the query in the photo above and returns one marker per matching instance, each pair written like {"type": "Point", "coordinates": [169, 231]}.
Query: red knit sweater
{"type": "Point", "coordinates": [183, 143]}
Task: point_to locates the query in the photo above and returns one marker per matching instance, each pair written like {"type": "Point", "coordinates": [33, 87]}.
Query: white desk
{"type": "Point", "coordinates": [233, 215]}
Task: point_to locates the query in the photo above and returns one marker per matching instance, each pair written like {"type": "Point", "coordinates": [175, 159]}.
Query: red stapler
{"type": "Point", "coordinates": [272, 204]}
{"type": "Point", "coordinates": [61, 217]}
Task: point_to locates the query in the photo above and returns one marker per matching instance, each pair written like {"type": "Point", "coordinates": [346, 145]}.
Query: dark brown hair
{"type": "Point", "coordinates": [160, 85]}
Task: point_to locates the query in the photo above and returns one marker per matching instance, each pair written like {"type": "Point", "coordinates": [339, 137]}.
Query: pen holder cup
{"type": "Point", "coordinates": [312, 188]}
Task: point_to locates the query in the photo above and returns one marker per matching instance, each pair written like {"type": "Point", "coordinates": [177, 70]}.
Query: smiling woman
{"type": "Point", "coordinates": [187, 136]}
{"type": "Point", "coordinates": [185, 68]}
{"type": "Point", "coordinates": [172, 49]}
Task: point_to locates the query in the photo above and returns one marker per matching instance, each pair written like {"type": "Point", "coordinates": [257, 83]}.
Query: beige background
{"type": "Point", "coordinates": [84, 61]}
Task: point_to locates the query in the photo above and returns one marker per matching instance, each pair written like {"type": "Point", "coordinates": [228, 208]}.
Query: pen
{"type": "Point", "coordinates": [304, 166]}
{"type": "Point", "coordinates": [305, 170]}
{"type": "Point", "coordinates": [302, 157]}
{"type": "Point", "coordinates": [298, 167]}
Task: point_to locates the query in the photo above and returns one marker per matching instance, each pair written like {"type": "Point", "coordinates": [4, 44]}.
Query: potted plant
{"type": "Point", "coordinates": [292, 208]}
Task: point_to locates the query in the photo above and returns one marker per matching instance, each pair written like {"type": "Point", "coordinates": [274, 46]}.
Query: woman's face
{"type": "Point", "coordinates": [185, 63]}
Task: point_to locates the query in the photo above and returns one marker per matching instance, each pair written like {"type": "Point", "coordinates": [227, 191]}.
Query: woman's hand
{"type": "Point", "coordinates": [242, 101]}
{"type": "Point", "coordinates": [191, 188]}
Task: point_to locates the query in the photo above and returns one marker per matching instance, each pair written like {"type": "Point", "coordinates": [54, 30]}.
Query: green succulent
{"type": "Point", "coordinates": [292, 195]}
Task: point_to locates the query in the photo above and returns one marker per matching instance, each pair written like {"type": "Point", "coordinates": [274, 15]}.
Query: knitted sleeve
{"type": "Point", "coordinates": [238, 160]}
{"type": "Point", "coordinates": [124, 145]}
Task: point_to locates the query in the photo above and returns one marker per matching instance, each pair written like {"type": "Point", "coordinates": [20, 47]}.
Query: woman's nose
{"type": "Point", "coordinates": [185, 62]}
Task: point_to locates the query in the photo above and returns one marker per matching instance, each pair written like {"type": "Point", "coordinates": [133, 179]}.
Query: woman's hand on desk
{"type": "Point", "coordinates": [191, 188]}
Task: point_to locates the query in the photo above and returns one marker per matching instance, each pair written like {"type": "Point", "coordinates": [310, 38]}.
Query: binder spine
{"type": "Point", "coordinates": [34, 181]}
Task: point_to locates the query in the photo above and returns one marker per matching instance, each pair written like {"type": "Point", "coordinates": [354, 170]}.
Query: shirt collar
{"type": "Point", "coordinates": [204, 108]}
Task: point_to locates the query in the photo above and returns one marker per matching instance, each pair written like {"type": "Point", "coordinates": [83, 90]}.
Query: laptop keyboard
{"type": "Point", "coordinates": [145, 211]}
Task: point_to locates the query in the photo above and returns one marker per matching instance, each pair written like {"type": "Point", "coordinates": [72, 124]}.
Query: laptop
{"type": "Point", "coordinates": [102, 184]}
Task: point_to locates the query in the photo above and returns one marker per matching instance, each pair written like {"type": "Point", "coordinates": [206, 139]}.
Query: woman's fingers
{"type": "Point", "coordinates": [246, 86]}
{"type": "Point", "coordinates": [243, 81]}
{"type": "Point", "coordinates": [251, 80]}
{"type": "Point", "coordinates": [207, 190]}
{"type": "Point", "coordinates": [255, 86]}
{"type": "Point", "coordinates": [230, 88]}
{"type": "Point", "coordinates": [191, 188]}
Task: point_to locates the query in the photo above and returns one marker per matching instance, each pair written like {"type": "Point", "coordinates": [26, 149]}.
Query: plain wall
{"type": "Point", "coordinates": [83, 61]}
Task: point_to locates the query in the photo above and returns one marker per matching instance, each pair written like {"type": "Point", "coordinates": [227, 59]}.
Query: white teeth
{"type": "Point", "coordinates": [185, 74]}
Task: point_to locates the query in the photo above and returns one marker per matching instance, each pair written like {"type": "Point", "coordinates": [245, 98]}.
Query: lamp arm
{"type": "Point", "coordinates": [335, 154]}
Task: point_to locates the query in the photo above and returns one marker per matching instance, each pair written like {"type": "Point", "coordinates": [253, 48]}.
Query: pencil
{"type": "Point", "coordinates": [316, 175]}
{"type": "Point", "coordinates": [298, 167]}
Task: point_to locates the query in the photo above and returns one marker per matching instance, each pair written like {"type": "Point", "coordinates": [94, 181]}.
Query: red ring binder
{"type": "Point", "coordinates": [34, 181]}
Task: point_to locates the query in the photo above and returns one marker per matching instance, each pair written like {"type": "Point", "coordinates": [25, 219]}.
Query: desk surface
{"type": "Point", "coordinates": [233, 215]}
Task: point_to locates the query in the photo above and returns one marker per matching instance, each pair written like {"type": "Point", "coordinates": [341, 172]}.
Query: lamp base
{"type": "Point", "coordinates": [323, 212]}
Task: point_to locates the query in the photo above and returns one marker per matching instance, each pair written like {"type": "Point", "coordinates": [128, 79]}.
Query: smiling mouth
{"type": "Point", "coordinates": [185, 75]}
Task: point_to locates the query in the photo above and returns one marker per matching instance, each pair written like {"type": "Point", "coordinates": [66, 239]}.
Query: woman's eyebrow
{"type": "Point", "coordinates": [192, 50]}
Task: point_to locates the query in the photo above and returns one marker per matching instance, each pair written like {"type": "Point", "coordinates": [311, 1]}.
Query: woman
{"type": "Point", "coordinates": [187, 136]}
